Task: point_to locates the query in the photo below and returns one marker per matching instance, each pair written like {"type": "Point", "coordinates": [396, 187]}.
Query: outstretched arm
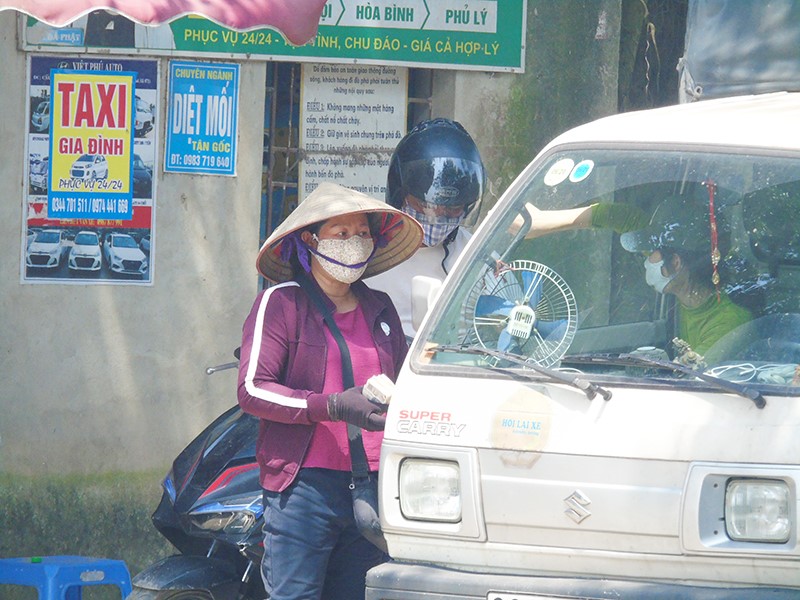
{"type": "Point", "coordinates": [619, 217]}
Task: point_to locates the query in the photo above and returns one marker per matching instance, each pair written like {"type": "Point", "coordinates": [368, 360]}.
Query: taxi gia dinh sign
{"type": "Point", "coordinates": [91, 144]}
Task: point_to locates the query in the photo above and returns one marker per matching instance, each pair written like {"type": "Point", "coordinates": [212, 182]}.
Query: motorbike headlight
{"type": "Point", "coordinates": [234, 516]}
{"type": "Point", "coordinates": [228, 522]}
{"type": "Point", "coordinates": [430, 490]}
{"type": "Point", "coordinates": [757, 510]}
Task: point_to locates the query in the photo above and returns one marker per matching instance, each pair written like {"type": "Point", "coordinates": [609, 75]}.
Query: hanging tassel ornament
{"type": "Point", "coordinates": [712, 217]}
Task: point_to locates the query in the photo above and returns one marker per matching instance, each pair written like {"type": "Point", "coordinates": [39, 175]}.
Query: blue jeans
{"type": "Point", "coordinates": [312, 548]}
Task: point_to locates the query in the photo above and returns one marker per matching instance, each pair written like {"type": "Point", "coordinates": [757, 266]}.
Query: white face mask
{"type": "Point", "coordinates": [654, 277]}
{"type": "Point", "coordinates": [344, 260]}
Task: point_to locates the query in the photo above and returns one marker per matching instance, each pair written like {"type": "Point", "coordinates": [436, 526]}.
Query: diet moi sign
{"type": "Point", "coordinates": [202, 118]}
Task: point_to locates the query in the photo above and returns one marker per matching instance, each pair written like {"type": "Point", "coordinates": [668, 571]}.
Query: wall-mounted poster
{"type": "Point", "coordinates": [351, 119]}
{"type": "Point", "coordinates": [202, 118]}
{"type": "Point", "coordinates": [88, 206]}
{"type": "Point", "coordinates": [91, 145]}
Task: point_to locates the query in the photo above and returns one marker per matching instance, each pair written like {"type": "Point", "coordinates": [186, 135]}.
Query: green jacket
{"type": "Point", "coordinates": [703, 326]}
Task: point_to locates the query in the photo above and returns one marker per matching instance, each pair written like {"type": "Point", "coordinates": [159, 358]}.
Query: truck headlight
{"type": "Point", "coordinates": [430, 490]}
{"type": "Point", "coordinates": [757, 510]}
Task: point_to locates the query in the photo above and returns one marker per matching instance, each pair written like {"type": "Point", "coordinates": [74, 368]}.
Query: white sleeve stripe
{"type": "Point", "coordinates": [255, 350]}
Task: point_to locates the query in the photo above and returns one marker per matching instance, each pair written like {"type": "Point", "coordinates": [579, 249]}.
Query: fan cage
{"type": "Point", "coordinates": [556, 303]}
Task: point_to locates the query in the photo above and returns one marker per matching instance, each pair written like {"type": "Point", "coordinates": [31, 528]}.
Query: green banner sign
{"type": "Point", "coordinates": [485, 35]}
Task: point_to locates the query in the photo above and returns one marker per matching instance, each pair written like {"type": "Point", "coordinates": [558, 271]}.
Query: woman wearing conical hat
{"type": "Point", "coordinates": [291, 377]}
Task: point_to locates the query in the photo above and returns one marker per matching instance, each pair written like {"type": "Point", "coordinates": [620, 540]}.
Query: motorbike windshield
{"type": "Point", "coordinates": [600, 257]}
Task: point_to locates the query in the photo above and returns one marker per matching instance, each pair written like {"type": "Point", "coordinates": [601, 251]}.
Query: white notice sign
{"type": "Point", "coordinates": [351, 119]}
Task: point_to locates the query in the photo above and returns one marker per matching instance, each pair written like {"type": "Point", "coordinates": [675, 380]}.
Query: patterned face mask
{"type": "Point", "coordinates": [344, 260]}
{"type": "Point", "coordinates": [434, 228]}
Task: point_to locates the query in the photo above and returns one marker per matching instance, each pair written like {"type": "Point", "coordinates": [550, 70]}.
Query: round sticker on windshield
{"type": "Point", "coordinates": [581, 171]}
{"type": "Point", "coordinates": [559, 171]}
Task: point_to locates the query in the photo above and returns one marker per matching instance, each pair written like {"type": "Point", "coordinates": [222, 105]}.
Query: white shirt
{"type": "Point", "coordinates": [426, 261]}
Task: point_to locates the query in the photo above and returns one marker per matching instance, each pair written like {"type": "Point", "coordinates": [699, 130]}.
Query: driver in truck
{"type": "Point", "coordinates": [681, 261]}
{"type": "Point", "coordinates": [683, 245]}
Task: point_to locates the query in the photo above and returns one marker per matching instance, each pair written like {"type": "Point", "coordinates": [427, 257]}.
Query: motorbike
{"type": "Point", "coordinates": [211, 512]}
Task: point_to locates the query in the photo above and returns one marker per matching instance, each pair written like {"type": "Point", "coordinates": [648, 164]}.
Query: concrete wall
{"type": "Point", "coordinates": [101, 377]}
{"type": "Point", "coordinates": [479, 102]}
{"type": "Point", "coordinates": [572, 53]}
{"type": "Point", "coordinates": [104, 378]}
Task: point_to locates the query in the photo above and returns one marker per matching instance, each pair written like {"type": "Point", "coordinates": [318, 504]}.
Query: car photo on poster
{"type": "Point", "coordinates": [85, 256]}
{"type": "Point", "coordinates": [144, 244]}
{"type": "Point", "coordinates": [90, 166]}
{"type": "Point", "coordinates": [142, 178]}
{"type": "Point", "coordinates": [40, 119]}
{"type": "Point", "coordinates": [47, 249]}
{"type": "Point", "coordinates": [123, 255]}
{"type": "Point", "coordinates": [37, 177]}
{"type": "Point", "coordinates": [145, 117]}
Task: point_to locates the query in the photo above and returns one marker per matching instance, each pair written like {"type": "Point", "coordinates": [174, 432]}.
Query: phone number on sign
{"type": "Point", "coordinates": [199, 160]}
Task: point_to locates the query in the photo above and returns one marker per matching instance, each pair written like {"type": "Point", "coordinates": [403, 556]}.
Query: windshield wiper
{"type": "Point", "coordinates": [587, 387]}
{"type": "Point", "coordinates": [627, 359]}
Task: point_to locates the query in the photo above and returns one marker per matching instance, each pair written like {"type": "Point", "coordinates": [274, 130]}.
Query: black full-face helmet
{"type": "Point", "coordinates": [438, 163]}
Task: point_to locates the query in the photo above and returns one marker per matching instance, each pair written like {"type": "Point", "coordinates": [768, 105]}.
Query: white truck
{"type": "Point", "coordinates": [562, 430]}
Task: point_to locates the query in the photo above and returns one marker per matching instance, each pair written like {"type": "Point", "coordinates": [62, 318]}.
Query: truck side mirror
{"type": "Point", "coordinates": [424, 291]}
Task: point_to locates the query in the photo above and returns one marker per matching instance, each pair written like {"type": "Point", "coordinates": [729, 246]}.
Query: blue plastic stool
{"type": "Point", "coordinates": [61, 577]}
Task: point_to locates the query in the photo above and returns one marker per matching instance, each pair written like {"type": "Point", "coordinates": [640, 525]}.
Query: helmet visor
{"type": "Point", "coordinates": [443, 181]}
{"type": "Point", "coordinates": [432, 212]}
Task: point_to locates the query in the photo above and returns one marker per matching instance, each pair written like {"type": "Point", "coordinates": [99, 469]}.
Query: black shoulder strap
{"type": "Point", "coordinates": [358, 457]}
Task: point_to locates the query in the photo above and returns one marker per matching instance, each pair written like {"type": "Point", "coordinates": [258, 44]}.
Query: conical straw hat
{"type": "Point", "coordinates": [332, 200]}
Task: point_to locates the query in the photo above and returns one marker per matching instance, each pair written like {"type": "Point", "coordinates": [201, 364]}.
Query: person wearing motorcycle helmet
{"type": "Point", "coordinates": [436, 175]}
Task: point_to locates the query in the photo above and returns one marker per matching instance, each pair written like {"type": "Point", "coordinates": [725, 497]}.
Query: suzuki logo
{"type": "Point", "coordinates": [576, 506]}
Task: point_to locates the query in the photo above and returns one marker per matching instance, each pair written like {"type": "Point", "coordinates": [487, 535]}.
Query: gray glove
{"type": "Point", "coordinates": [353, 407]}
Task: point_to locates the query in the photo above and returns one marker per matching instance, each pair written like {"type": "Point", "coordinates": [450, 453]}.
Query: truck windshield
{"type": "Point", "coordinates": [599, 254]}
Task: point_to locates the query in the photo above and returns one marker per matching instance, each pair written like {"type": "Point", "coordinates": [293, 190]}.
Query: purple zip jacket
{"type": "Point", "coordinates": [282, 370]}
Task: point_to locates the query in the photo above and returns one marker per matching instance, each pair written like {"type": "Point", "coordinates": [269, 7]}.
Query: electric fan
{"type": "Point", "coordinates": [527, 309]}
